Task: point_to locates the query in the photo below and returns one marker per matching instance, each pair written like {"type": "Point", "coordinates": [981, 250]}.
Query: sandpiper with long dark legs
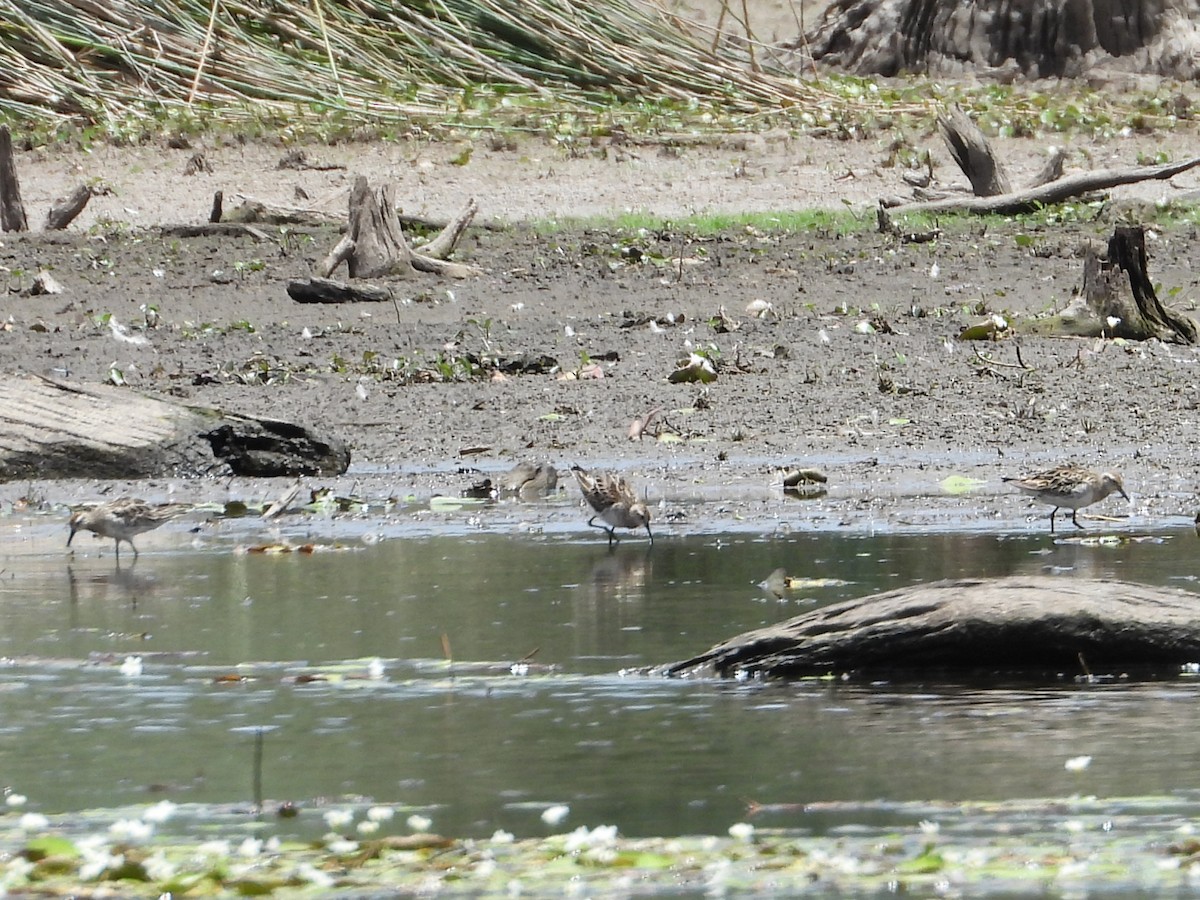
{"type": "Point", "coordinates": [613, 501]}
{"type": "Point", "coordinates": [1069, 487]}
{"type": "Point", "coordinates": [123, 519]}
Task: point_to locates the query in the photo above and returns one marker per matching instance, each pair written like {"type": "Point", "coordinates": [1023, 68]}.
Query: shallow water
{"type": "Point", "coordinates": [479, 747]}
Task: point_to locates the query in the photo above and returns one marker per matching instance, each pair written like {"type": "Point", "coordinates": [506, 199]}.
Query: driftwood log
{"type": "Point", "coordinates": [325, 290]}
{"type": "Point", "coordinates": [1031, 198]}
{"type": "Point", "coordinates": [1117, 299]}
{"type": "Point", "coordinates": [1037, 625]}
{"type": "Point", "coordinates": [58, 429]}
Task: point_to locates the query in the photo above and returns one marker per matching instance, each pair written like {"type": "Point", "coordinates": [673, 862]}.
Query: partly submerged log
{"type": "Point", "coordinates": [1030, 624]}
{"type": "Point", "coordinates": [57, 429]}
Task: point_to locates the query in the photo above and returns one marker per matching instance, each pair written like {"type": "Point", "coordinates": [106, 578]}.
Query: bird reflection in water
{"type": "Point", "coordinates": [123, 582]}
{"type": "Point", "coordinates": [621, 575]}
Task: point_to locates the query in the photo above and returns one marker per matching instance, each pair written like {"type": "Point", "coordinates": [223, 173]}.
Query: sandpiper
{"type": "Point", "coordinates": [1070, 487]}
{"type": "Point", "coordinates": [122, 519]}
{"type": "Point", "coordinates": [529, 479]}
{"type": "Point", "coordinates": [613, 501]}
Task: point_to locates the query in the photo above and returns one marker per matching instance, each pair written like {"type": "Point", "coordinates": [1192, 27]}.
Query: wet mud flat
{"type": "Point", "coordinates": [831, 350]}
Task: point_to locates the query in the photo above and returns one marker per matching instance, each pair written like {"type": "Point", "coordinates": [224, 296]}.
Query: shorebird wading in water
{"type": "Point", "coordinates": [1069, 487]}
{"type": "Point", "coordinates": [122, 519]}
{"type": "Point", "coordinates": [614, 502]}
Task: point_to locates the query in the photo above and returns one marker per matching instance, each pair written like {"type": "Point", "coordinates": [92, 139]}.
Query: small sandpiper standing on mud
{"type": "Point", "coordinates": [1069, 487]}
{"type": "Point", "coordinates": [122, 519]}
{"type": "Point", "coordinates": [613, 501]}
{"type": "Point", "coordinates": [528, 479]}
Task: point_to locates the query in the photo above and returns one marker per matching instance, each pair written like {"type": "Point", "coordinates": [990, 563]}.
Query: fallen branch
{"type": "Point", "coordinates": [324, 290]}
{"type": "Point", "coordinates": [1031, 198]}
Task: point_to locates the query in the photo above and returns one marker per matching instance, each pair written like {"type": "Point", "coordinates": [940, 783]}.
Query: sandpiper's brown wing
{"type": "Point", "coordinates": [613, 490]}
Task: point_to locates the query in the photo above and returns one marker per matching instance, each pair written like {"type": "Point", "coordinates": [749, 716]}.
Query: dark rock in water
{"type": "Point", "coordinates": [63, 429]}
{"type": "Point", "coordinates": [1026, 624]}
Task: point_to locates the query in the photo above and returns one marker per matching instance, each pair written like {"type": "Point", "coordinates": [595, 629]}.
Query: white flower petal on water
{"type": "Point", "coordinates": [158, 867]}
{"type": "Point", "coordinates": [33, 822]}
{"type": "Point", "coordinates": [217, 849]}
{"type": "Point", "coordinates": [133, 830]}
{"type": "Point", "coordinates": [341, 846]}
{"type": "Point", "coordinates": [366, 826]}
{"type": "Point", "coordinates": [380, 813]}
{"type": "Point", "coordinates": [15, 800]}
{"type": "Point", "coordinates": [418, 823]}
{"type": "Point", "coordinates": [742, 831]}
{"type": "Point", "coordinates": [160, 812]}
{"type": "Point", "coordinates": [553, 815]}
{"type": "Point", "coordinates": [314, 876]}
{"type": "Point", "coordinates": [338, 818]}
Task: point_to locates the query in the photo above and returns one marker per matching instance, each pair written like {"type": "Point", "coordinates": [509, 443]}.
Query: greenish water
{"type": "Point", "coordinates": [477, 747]}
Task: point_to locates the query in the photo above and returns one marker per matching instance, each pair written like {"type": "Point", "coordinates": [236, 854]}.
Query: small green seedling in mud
{"type": "Point", "coordinates": [242, 267]}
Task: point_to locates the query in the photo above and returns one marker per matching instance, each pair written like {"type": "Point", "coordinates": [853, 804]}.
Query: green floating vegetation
{"type": "Point", "coordinates": [1044, 846]}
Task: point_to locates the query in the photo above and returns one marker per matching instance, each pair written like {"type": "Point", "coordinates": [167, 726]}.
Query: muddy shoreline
{"type": "Point", "coordinates": [834, 351]}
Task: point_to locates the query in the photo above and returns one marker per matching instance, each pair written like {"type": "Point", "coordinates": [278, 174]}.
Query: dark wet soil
{"type": "Point", "coordinates": [834, 351]}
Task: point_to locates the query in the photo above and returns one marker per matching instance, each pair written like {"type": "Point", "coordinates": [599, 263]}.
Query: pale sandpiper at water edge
{"type": "Point", "coordinates": [123, 519]}
{"type": "Point", "coordinates": [613, 501]}
{"type": "Point", "coordinates": [1069, 487]}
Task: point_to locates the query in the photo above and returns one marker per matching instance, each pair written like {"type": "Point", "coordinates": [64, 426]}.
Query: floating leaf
{"type": "Point", "coordinates": [40, 848]}
{"type": "Point", "coordinates": [961, 484]}
{"type": "Point", "coordinates": [449, 504]}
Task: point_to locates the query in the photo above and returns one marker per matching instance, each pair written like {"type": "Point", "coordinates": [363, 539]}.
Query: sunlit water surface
{"type": "Point", "coordinates": [453, 729]}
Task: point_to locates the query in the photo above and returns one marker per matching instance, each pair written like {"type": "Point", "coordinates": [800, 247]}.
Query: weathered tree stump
{"type": "Point", "coordinates": [1117, 298]}
{"type": "Point", "coordinates": [65, 209]}
{"type": "Point", "coordinates": [1036, 38]}
{"type": "Point", "coordinates": [12, 210]}
{"type": "Point", "coordinates": [973, 152]}
{"type": "Point", "coordinates": [374, 245]}
{"type": "Point", "coordinates": [1029, 624]}
{"type": "Point", "coordinates": [58, 429]}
